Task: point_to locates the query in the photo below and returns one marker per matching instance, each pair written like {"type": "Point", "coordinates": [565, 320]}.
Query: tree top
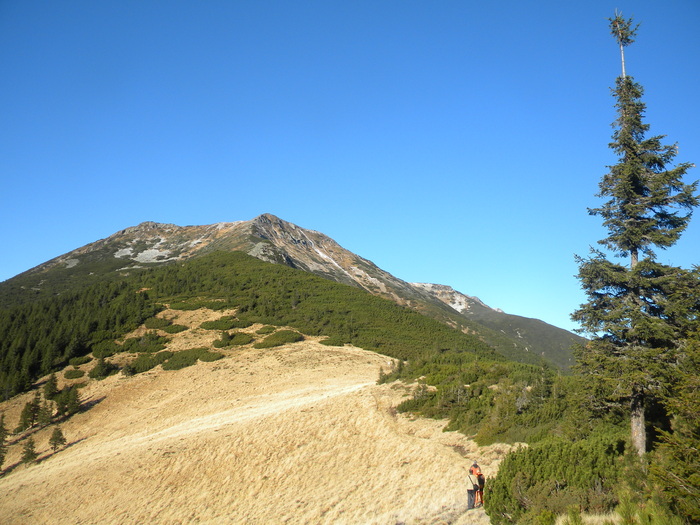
{"type": "Point", "coordinates": [622, 29]}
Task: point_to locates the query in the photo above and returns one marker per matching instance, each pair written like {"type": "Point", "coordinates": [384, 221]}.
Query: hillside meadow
{"type": "Point", "coordinates": [300, 433]}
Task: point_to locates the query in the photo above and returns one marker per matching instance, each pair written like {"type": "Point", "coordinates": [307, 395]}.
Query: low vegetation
{"type": "Point", "coordinates": [233, 339]}
{"type": "Point", "coordinates": [145, 362]}
{"type": "Point", "coordinates": [73, 373]}
{"type": "Point", "coordinates": [226, 322]}
{"type": "Point", "coordinates": [279, 338]}
{"type": "Point", "coordinates": [189, 357]}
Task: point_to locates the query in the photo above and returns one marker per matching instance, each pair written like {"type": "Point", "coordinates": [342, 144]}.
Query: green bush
{"type": "Point", "coordinates": [149, 343]}
{"type": "Point", "coordinates": [551, 477]}
{"type": "Point", "coordinates": [102, 369]}
{"type": "Point", "coordinates": [157, 323]}
{"type": "Point", "coordinates": [73, 374]}
{"type": "Point", "coordinates": [226, 322]}
{"type": "Point", "coordinates": [185, 304]}
{"type": "Point", "coordinates": [268, 329]}
{"type": "Point", "coordinates": [77, 361]}
{"type": "Point", "coordinates": [105, 349]}
{"type": "Point", "coordinates": [280, 338]}
{"type": "Point", "coordinates": [233, 339]}
{"type": "Point", "coordinates": [189, 357]}
{"type": "Point", "coordinates": [208, 357]}
{"type": "Point", "coordinates": [174, 329]}
{"type": "Point", "coordinates": [146, 362]}
{"type": "Point", "coordinates": [241, 338]}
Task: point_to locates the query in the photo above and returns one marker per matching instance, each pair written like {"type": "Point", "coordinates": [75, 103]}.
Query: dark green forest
{"type": "Point", "coordinates": [43, 336]}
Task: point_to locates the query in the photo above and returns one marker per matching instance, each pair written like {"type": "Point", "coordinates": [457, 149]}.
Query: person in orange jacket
{"type": "Point", "coordinates": [475, 470]}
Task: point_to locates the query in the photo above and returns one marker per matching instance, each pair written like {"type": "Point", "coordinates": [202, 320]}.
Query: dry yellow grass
{"type": "Point", "coordinates": [298, 434]}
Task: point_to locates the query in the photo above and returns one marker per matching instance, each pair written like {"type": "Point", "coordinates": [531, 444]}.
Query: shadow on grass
{"type": "Point", "coordinates": [40, 459]}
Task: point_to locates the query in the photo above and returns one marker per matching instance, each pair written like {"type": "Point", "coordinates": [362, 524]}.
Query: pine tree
{"type": "Point", "coordinates": [637, 313]}
{"type": "Point", "coordinates": [36, 407]}
{"type": "Point", "coordinates": [72, 400]}
{"type": "Point", "coordinates": [61, 400]}
{"type": "Point", "coordinates": [3, 440]}
{"type": "Point", "coordinates": [45, 414]}
{"type": "Point", "coordinates": [51, 387]}
{"type": "Point", "coordinates": [29, 453]}
{"type": "Point", "coordinates": [29, 414]}
{"type": "Point", "coordinates": [57, 440]}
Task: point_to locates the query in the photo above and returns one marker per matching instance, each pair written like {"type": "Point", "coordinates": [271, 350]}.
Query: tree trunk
{"type": "Point", "coordinates": [622, 58]}
{"type": "Point", "coordinates": [634, 258]}
{"type": "Point", "coordinates": [638, 426]}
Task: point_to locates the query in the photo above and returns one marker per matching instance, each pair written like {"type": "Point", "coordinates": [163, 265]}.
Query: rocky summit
{"type": "Point", "coordinates": [274, 240]}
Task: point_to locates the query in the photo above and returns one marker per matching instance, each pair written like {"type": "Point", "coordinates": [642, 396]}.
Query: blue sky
{"type": "Point", "coordinates": [458, 143]}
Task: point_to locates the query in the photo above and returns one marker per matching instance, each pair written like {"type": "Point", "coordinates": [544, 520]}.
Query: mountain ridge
{"type": "Point", "coordinates": [275, 240]}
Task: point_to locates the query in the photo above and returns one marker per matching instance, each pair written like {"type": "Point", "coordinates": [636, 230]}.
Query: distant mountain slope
{"type": "Point", "coordinates": [274, 240]}
{"type": "Point", "coordinates": [530, 335]}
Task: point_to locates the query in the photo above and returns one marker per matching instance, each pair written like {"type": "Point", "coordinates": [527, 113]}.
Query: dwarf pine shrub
{"type": "Point", "coordinates": [174, 329]}
{"type": "Point", "coordinates": [226, 322]}
{"type": "Point", "coordinates": [77, 361]}
{"type": "Point", "coordinates": [105, 349]}
{"type": "Point", "coordinates": [189, 357]}
{"type": "Point", "coordinates": [149, 342]}
{"type": "Point", "coordinates": [233, 339]}
{"type": "Point", "coordinates": [156, 323]}
{"type": "Point", "coordinates": [145, 362]}
{"type": "Point", "coordinates": [73, 373]}
{"type": "Point", "coordinates": [102, 369]}
{"type": "Point", "coordinates": [282, 337]}
{"type": "Point", "coordinates": [552, 477]}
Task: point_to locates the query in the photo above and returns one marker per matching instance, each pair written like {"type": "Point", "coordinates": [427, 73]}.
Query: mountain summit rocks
{"type": "Point", "coordinates": [274, 240]}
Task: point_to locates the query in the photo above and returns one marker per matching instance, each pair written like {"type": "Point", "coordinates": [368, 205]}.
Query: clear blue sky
{"type": "Point", "coordinates": [453, 142]}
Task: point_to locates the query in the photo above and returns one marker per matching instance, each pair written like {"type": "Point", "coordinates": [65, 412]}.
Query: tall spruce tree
{"type": "Point", "coordinates": [637, 313]}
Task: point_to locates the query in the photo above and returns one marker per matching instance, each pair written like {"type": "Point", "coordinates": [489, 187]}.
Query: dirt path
{"type": "Point", "coordinates": [299, 434]}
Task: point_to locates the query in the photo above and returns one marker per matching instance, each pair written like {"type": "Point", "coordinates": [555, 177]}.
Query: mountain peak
{"type": "Point", "coordinates": [271, 239]}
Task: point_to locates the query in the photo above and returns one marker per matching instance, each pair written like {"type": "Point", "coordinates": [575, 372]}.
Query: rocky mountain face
{"type": "Point", "coordinates": [272, 239]}
{"type": "Point", "coordinates": [527, 334]}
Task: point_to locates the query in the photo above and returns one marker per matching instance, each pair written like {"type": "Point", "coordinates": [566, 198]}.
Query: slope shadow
{"type": "Point", "coordinates": [39, 459]}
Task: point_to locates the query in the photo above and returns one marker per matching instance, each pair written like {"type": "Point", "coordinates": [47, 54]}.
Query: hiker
{"type": "Point", "coordinates": [475, 471]}
{"type": "Point", "coordinates": [472, 489]}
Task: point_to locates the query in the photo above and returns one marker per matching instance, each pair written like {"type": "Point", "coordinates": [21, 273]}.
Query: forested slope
{"type": "Point", "coordinates": [42, 336]}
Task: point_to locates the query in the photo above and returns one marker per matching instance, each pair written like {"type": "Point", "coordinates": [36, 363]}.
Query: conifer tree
{"type": "Point", "coordinates": [45, 414]}
{"type": "Point", "coordinates": [51, 387]}
{"type": "Point", "coordinates": [29, 453]}
{"type": "Point", "coordinates": [61, 400]}
{"type": "Point", "coordinates": [57, 439]}
{"type": "Point", "coordinates": [3, 440]}
{"type": "Point", "coordinates": [639, 312]}
{"type": "Point", "coordinates": [34, 408]}
{"type": "Point", "coordinates": [29, 414]}
{"type": "Point", "coordinates": [73, 400]}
